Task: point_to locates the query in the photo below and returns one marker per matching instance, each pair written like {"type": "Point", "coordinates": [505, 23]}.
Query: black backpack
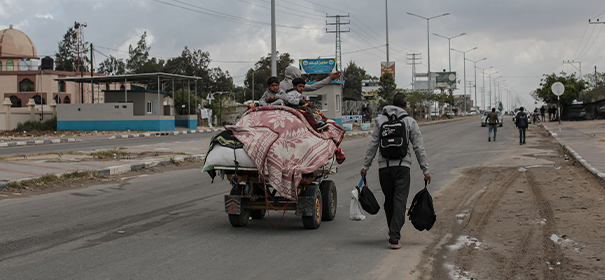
{"type": "Point", "coordinates": [422, 213]}
{"type": "Point", "coordinates": [394, 138]}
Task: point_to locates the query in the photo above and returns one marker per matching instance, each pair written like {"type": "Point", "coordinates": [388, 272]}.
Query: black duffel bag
{"type": "Point", "coordinates": [366, 198]}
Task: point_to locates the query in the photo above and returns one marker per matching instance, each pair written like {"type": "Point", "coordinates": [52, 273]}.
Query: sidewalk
{"type": "Point", "coordinates": [28, 167]}
{"type": "Point", "coordinates": [585, 141]}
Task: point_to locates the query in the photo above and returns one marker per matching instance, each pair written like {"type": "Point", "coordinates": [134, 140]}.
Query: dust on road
{"type": "Point", "coordinates": [497, 222]}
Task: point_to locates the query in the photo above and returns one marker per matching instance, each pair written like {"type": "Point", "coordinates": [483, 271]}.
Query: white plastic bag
{"type": "Point", "coordinates": [355, 211]}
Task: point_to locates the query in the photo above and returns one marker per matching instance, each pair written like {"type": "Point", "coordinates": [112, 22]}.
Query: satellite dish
{"type": "Point", "coordinates": [557, 88]}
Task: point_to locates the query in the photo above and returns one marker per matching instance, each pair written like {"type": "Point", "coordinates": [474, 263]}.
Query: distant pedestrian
{"type": "Point", "coordinates": [521, 122]}
{"type": "Point", "coordinates": [493, 121]}
{"type": "Point", "coordinates": [542, 110]}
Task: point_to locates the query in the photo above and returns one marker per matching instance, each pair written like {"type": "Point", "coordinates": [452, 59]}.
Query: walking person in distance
{"type": "Point", "coordinates": [493, 121]}
{"type": "Point", "coordinates": [394, 132]}
{"type": "Point", "coordinates": [521, 122]}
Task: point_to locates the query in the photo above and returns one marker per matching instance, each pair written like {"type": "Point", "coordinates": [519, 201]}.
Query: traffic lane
{"type": "Point", "coordinates": [87, 145]}
{"type": "Point", "coordinates": [174, 226]}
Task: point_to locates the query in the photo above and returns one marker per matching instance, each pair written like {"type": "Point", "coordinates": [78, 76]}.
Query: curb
{"type": "Point", "coordinates": [577, 156]}
{"type": "Point", "coordinates": [38, 142]}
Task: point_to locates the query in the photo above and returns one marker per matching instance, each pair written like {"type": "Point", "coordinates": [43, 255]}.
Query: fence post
{"type": "Point", "coordinates": [53, 107]}
{"type": "Point", "coordinates": [31, 105]}
{"type": "Point", "coordinates": [7, 109]}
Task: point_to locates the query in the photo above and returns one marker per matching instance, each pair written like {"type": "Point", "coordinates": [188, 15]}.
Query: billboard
{"type": "Point", "coordinates": [387, 66]}
{"type": "Point", "coordinates": [317, 66]}
{"type": "Point", "coordinates": [445, 80]}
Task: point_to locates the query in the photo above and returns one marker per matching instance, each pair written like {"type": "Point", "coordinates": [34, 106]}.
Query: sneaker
{"type": "Point", "coordinates": [489, 139]}
{"type": "Point", "coordinates": [494, 139]}
{"type": "Point", "coordinates": [395, 246]}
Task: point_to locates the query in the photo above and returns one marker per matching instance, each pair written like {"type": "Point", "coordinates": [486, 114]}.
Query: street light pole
{"type": "Point", "coordinates": [428, 43]}
{"type": "Point", "coordinates": [464, 60]}
{"type": "Point", "coordinates": [449, 46]}
{"type": "Point", "coordinates": [489, 81]}
{"type": "Point", "coordinates": [475, 66]}
{"type": "Point", "coordinates": [483, 74]}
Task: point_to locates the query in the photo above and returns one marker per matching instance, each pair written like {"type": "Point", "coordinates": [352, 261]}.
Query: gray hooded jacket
{"type": "Point", "coordinates": [415, 142]}
{"type": "Point", "coordinates": [292, 73]}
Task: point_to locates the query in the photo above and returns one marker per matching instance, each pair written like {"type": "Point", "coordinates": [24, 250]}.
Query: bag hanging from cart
{"type": "Point", "coordinates": [366, 197]}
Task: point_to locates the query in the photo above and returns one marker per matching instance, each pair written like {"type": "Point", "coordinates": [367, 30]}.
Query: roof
{"type": "Point", "coordinates": [147, 77]}
{"type": "Point", "coordinates": [15, 44]}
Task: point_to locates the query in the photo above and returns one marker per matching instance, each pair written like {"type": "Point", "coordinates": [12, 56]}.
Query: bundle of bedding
{"type": "Point", "coordinates": [279, 143]}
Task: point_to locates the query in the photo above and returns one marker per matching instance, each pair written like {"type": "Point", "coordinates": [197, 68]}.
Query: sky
{"type": "Point", "coordinates": [521, 39]}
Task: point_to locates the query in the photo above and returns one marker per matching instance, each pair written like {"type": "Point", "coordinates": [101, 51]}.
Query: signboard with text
{"type": "Point", "coordinates": [317, 66]}
{"type": "Point", "coordinates": [387, 66]}
{"type": "Point", "coordinates": [445, 80]}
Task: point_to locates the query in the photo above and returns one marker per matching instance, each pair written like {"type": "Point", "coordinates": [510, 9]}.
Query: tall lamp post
{"type": "Point", "coordinates": [428, 42]}
{"type": "Point", "coordinates": [483, 74]}
{"type": "Point", "coordinates": [475, 66]}
{"type": "Point", "coordinates": [449, 46]}
{"type": "Point", "coordinates": [489, 81]}
{"type": "Point", "coordinates": [464, 60]}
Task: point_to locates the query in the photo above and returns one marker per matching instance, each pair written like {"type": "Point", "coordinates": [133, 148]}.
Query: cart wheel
{"type": "Point", "coordinates": [313, 221]}
{"type": "Point", "coordinates": [258, 213]}
{"type": "Point", "coordinates": [329, 200]}
{"type": "Point", "coordinates": [240, 220]}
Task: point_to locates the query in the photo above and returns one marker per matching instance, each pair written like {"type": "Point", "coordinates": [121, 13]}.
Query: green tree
{"type": "Point", "coordinates": [262, 71]}
{"type": "Point", "coordinates": [353, 75]}
{"type": "Point", "coordinates": [138, 56]}
{"type": "Point", "coordinates": [596, 87]}
{"type": "Point", "coordinates": [66, 58]}
{"type": "Point", "coordinates": [573, 87]}
{"type": "Point", "coordinates": [387, 87]}
{"type": "Point", "coordinates": [112, 66]}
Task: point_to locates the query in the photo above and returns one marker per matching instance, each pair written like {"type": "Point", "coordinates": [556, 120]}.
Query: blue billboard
{"type": "Point", "coordinates": [317, 66]}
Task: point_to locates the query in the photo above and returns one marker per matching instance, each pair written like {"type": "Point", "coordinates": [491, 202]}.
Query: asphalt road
{"type": "Point", "coordinates": [172, 225]}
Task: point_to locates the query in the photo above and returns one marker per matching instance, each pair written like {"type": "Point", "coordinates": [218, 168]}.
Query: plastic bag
{"type": "Point", "coordinates": [355, 211]}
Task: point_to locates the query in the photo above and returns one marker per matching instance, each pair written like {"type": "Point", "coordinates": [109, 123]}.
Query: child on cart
{"type": "Point", "coordinates": [274, 95]}
{"type": "Point", "coordinates": [295, 99]}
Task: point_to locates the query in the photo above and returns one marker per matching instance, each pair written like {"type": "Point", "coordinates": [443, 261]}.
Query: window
{"type": "Point", "coordinates": [337, 103]}
{"type": "Point", "coordinates": [10, 66]}
{"type": "Point", "coordinates": [0, 65]}
{"type": "Point", "coordinates": [26, 85]}
{"type": "Point", "coordinates": [61, 86]}
{"type": "Point", "coordinates": [149, 107]}
{"type": "Point", "coordinates": [66, 100]}
{"type": "Point", "coordinates": [39, 100]}
{"type": "Point", "coordinates": [15, 101]}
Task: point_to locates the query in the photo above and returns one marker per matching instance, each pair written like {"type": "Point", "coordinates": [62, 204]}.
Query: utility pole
{"type": "Point", "coordinates": [273, 42]}
{"type": "Point", "coordinates": [571, 62]}
{"type": "Point", "coordinates": [80, 47]}
{"type": "Point", "coordinates": [413, 59]}
{"type": "Point", "coordinates": [386, 12]}
{"type": "Point", "coordinates": [92, 88]}
{"type": "Point", "coordinates": [337, 24]}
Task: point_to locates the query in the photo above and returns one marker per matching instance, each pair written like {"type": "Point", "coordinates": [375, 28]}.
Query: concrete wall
{"type": "Point", "coordinates": [331, 96]}
{"type": "Point", "coordinates": [109, 116]}
{"type": "Point", "coordinates": [137, 99]}
{"type": "Point", "coordinates": [11, 117]}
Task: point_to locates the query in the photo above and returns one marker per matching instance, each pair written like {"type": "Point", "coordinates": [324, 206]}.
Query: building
{"type": "Point", "coordinates": [23, 78]}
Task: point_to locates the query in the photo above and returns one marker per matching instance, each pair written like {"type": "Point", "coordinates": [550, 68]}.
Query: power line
{"type": "Point", "coordinates": [595, 39]}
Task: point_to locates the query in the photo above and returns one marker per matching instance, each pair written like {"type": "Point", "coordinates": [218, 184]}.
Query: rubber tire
{"type": "Point", "coordinates": [329, 200]}
{"type": "Point", "coordinates": [240, 220]}
{"type": "Point", "coordinates": [258, 213]}
{"type": "Point", "coordinates": [313, 221]}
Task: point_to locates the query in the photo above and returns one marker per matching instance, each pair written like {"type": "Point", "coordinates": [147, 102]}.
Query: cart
{"type": "Point", "coordinates": [251, 198]}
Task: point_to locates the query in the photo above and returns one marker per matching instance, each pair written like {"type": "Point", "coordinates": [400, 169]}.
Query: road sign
{"type": "Point", "coordinates": [557, 88]}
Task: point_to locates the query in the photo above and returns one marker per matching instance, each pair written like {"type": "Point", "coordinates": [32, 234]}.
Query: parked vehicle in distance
{"type": "Point", "coordinates": [450, 113]}
{"type": "Point", "coordinates": [484, 118]}
{"type": "Point", "coordinates": [472, 112]}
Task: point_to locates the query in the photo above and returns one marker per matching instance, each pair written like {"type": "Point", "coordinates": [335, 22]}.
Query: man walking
{"type": "Point", "coordinates": [394, 173]}
{"type": "Point", "coordinates": [493, 121]}
{"type": "Point", "coordinates": [521, 122]}
{"type": "Point", "coordinates": [542, 110]}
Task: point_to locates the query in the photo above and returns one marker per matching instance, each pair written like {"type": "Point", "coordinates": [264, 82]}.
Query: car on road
{"type": "Point", "coordinates": [484, 118]}
{"type": "Point", "coordinates": [472, 112]}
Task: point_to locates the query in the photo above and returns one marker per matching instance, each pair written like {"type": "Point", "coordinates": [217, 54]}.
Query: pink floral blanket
{"type": "Point", "coordinates": [283, 145]}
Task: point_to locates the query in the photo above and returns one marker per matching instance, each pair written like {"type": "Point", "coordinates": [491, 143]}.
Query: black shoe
{"type": "Point", "coordinates": [520, 143]}
{"type": "Point", "coordinates": [321, 126]}
{"type": "Point", "coordinates": [489, 139]}
{"type": "Point", "coordinates": [524, 143]}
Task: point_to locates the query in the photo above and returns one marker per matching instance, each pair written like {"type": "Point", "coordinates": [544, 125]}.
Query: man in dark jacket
{"type": "Point", "coordinates": [493, 121]}
{"type": "Point", "coordinates": [394, 174]}
{"type": "Point", "coordinates": [521, 122]}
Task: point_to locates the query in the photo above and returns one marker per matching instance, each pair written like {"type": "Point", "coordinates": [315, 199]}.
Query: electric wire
{"type": "Point", "coordinates": [595, 39]}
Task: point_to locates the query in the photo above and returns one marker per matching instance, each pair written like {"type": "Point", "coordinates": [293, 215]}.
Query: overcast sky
{"type": "Point", "coordinates": [521, 39]}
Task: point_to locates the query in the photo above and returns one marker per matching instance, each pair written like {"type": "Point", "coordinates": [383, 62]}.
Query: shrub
{"type": "Point", "coordinates": [39, 126]}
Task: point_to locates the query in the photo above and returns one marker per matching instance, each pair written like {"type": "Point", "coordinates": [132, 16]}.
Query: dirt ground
{"type": "Point", "coordinates": [502, 223]}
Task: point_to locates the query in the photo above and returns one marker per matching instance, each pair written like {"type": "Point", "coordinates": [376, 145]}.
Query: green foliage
{"type": "Point", "coordinates": [596, 87]}
{"type": "Point", "coordinates": [184, 97]}
{"type": "Point", "coordinates": [220, 105]}
{"type": "Point", "coordinates": [66, 58]}
{"type": "Point", "coordinates": [112, 66]}
{"type": "Point", "coordinates": [353, 75]}
{"type": "Point", "coordinates": [262, 71]}
{"type": "Point", "coordinates": [138, 56]}
{"type": "Point", "coordinates": [573, 87]}
{"type": "Point", "coordinates": [48, 125]}
{"type": "Point", "coordinates": [387, 87]}
{"type": "Point", "coordinates": [111, 154]}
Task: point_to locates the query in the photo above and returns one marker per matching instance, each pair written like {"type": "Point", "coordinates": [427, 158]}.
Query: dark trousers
{"type": "Point", "coordinates": [395, 184]}
{"type": "Point", "coordinates": [522, 134]}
